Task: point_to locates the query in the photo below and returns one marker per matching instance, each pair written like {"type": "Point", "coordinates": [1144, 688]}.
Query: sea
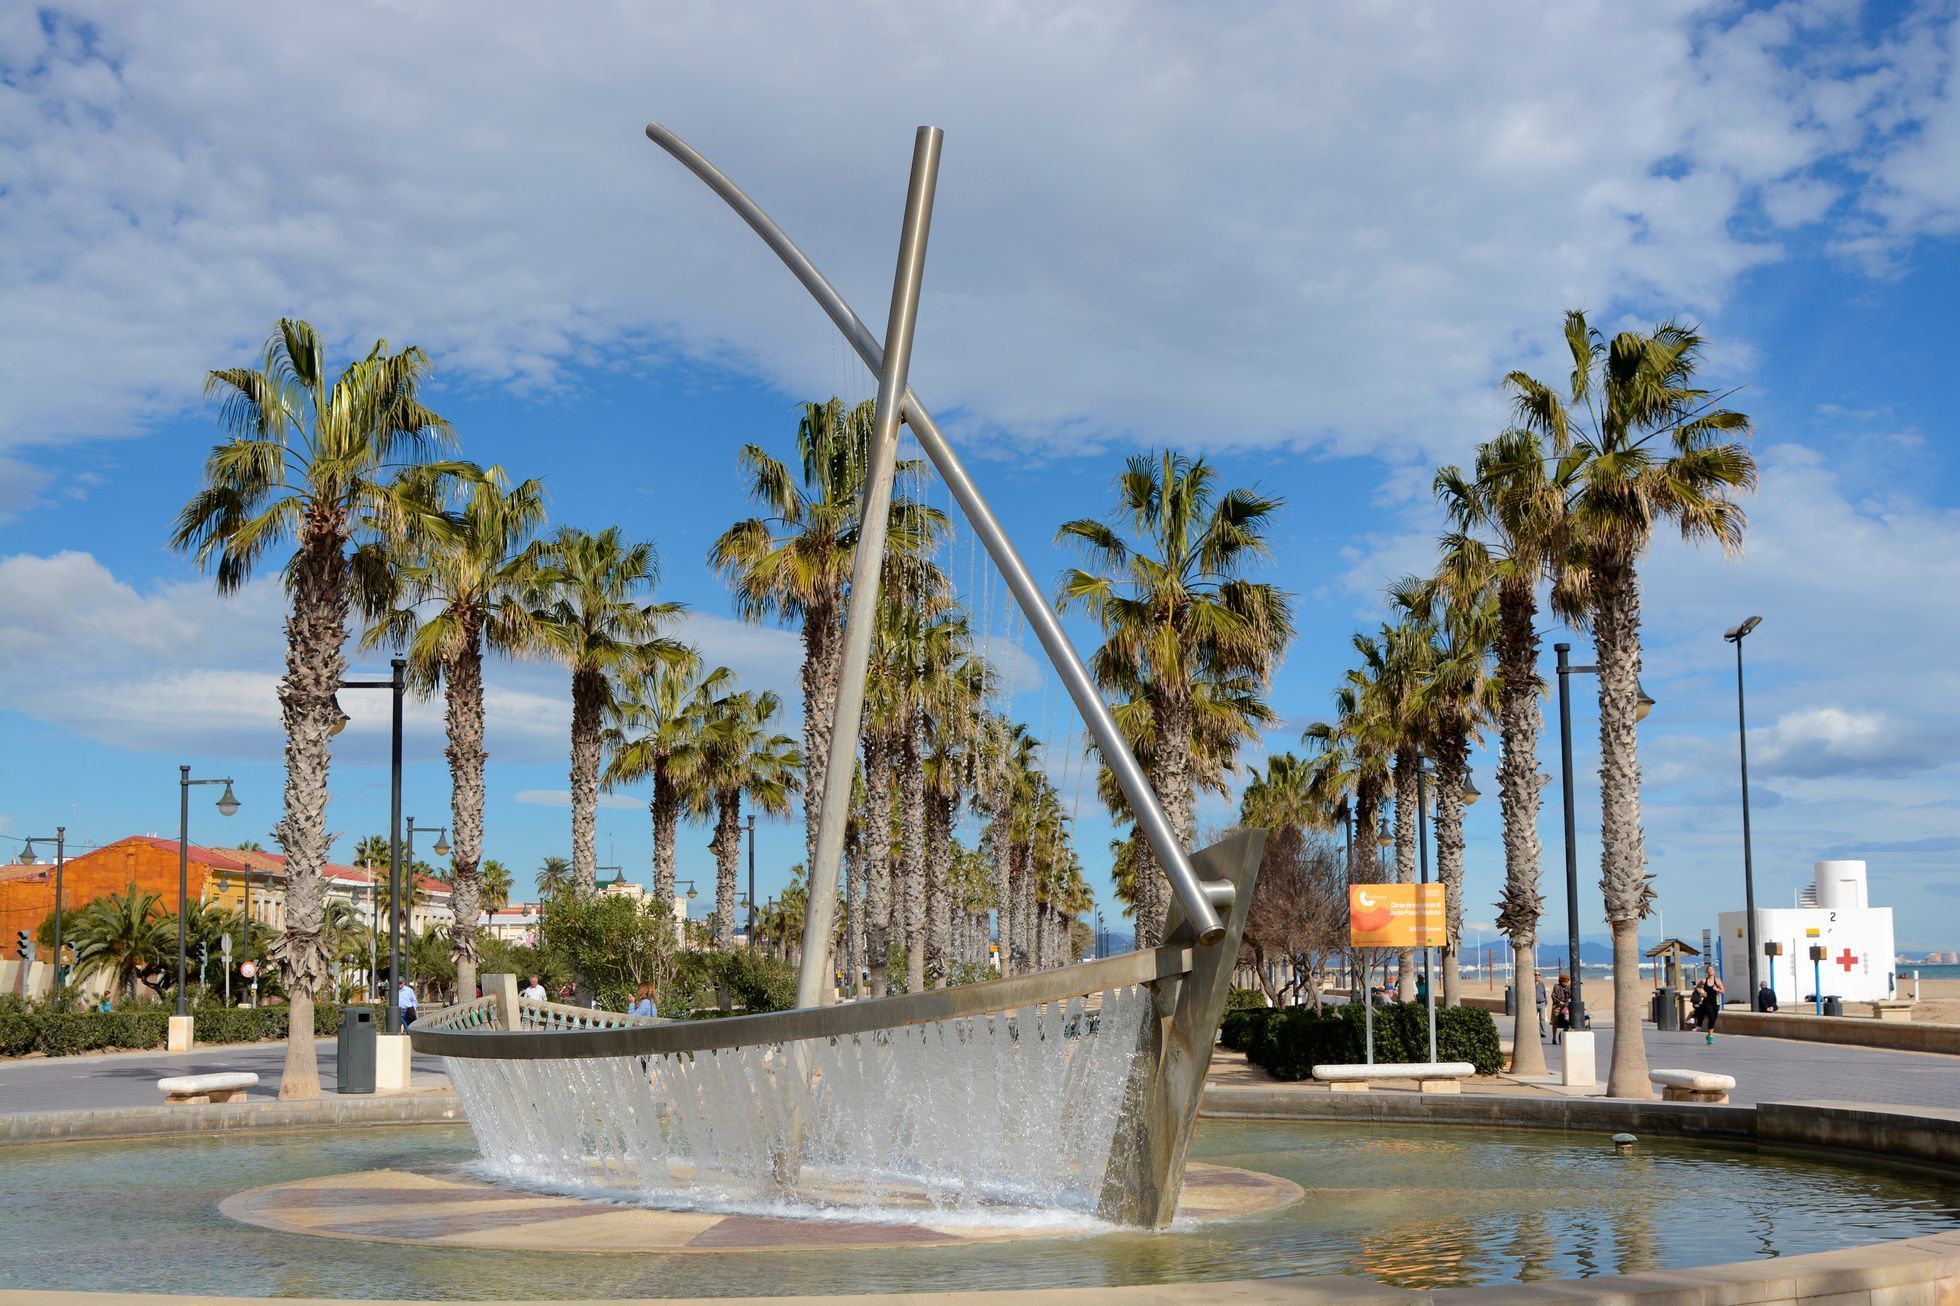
{"type": "Point", "coordinates": [1908, 968]}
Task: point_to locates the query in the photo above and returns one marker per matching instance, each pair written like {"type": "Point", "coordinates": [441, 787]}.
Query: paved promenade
{"type": "Point", "coordinates": [121, 1079]}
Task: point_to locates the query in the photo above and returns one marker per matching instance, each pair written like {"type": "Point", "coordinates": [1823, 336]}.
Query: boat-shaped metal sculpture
{"type": "Point", "coordinates": [1074, 1088]}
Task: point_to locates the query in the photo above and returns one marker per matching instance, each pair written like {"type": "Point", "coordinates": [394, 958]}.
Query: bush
{"type": "Point", "coordinates": [1291, 1043]}
{"type": "Point", "coordinates": [745, 981]}
{"type": "Point", "coordinates": [1245, 999]}
{"type": "Point", "coordinates": [60, 1031]}
{"type": "Point", "coordinates": [1242, 1028]}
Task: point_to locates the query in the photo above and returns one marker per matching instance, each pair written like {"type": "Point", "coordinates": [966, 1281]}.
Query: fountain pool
{"type": "Point", "coordinates": [1416, 1206]}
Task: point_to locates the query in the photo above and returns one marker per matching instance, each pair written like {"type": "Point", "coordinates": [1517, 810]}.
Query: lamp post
{"type": "Point", "coordinates": [397, 686]}
{"type": "Point", "coordinates": [751, 881]}
{"type": "Point", "coordinates": [1735, 635]}
{"type": "Point", "coordinates": [226, 805]}
{"type": "Point", "coordinates": [406, 927]}
{"type": "Point", "coordinates": [60, 860]}
{"type": "Point", "coordinates": [1645, 705]}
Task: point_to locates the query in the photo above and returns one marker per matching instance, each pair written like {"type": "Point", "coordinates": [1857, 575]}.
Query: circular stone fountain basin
{"type": "Point", "coordinates": [1416, 1206]}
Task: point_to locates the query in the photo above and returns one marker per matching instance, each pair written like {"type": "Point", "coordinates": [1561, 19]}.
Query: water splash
{"type": "Point", "coordinates": [988, 1118]}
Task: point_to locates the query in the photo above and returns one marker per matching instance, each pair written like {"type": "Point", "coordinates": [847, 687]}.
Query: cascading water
{"type": "Point", "coordinates": [1014, 1109]}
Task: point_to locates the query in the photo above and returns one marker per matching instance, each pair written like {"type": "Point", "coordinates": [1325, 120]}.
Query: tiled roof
{"type": "Point", "coordinates": [222, 859]}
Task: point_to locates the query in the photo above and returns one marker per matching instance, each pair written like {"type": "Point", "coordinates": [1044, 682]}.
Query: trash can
{"type": "Point", "coordinates": [354, 1054]}
{"type": "Point", "coordinates": [1833, 1004]}
{"type": "Point", "coordinates": [1667, 1009]}
{"type": "Point", "coordinates": [1510, 999]}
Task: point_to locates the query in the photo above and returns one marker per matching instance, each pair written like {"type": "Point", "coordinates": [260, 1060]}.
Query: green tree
{"type": "Point", "coordinates": [497, 884]}
{"type": "Point", "coordinates": [1652, 447]}
{"type": "Point", "coordinates": [654, 719]}
{"type": "Point", "coordinates": [554, 877]}
{"type": "Point", "coordinates": [447, 597]}
{"type": "Point", "coordinates": [127, 935]}
{"type": "Point", "coordinates": [308, 461]}
{"type": "Point", "coordinates": [612, 942]}
{"type": "Point", "coordinates": [1509, 530]}
{"type": "Point", "coordinates": [593, 621]}
{"type": "Point", "coordinates": [1176, 608]}
{"type": "Point", "coordinates": [737, 757]}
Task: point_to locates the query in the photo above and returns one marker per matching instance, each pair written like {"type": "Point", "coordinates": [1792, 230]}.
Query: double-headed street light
{"type": "Point", "coordinates": [1643, 705]}
{"type": "Point", "coordinates": [440, 849]}
{"type": "Point", "coordinates": [227, 806]}
{"type": "Point", "coordinates": [1735, 635]}
{"type": "Point", "coordinates": [60, 860]}
{"type": "Point", "coordinates": [397, 685]}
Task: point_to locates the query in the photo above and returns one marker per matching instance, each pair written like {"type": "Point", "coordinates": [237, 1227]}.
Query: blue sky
{"type": "Point", "coordinates": [1304, 243]}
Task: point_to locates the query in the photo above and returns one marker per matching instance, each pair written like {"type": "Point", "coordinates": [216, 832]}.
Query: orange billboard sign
{"type": "Point", "coordinates": [1397, 916]}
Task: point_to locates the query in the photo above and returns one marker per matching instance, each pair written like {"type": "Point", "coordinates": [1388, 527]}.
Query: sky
{"type": "Point", "coordinates": [1305, 242]}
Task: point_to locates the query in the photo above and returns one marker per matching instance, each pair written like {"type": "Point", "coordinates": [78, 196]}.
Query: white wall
{"type": "Point", "coordinates": [1863, 933]}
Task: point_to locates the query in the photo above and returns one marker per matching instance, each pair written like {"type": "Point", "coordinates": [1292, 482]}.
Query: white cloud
{"type": "Point", "coordinates": [1187, 231]}
{"type": "Point", "coordinates": [763, 657]}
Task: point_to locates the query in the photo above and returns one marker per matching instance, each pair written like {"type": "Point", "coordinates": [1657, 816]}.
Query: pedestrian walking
{"type": "Point", "coordinates": [534, 991]}
{"type": "Point", "coordinates": [1561, 1007]}
{"type": "Point", "coordinates": [1712, 994]}
{"type": "Point", "coordinates": [405, 999]}
{"type": "Point", "coordinates": [644, 1002]}
{"type": "Point", "coordinates": [1538, 984]}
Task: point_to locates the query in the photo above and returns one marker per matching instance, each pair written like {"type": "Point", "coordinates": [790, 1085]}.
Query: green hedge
{"type": "Point", "coordinates": [1242, 999]}
{"type": "Point", "coordinates": [1289, 1043]}
{"type": "Point", "coordinates": [59, 1032]}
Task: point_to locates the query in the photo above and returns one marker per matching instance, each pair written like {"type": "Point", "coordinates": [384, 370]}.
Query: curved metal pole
{"type": "Point", "coordinates": [1199, 900]}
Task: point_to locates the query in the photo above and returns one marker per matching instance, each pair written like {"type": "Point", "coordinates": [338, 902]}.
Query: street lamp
{"type": "Point", "coordinates": [60, 860]}
{"type": "Point", "coordinates": [397, 686]}
{"type": "Point", "coordinates": [1643, 705]}
{"type": "Point", "coordinates": [441, 849]}
{"type": "Point", "coordinates": [751, 881]}
{"type": "Point", "coordinates": [1735, 636]}
{"type": "Point", "coordinates": [227, 806]}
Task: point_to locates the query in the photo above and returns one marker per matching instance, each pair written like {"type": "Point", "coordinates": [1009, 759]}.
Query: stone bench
{"type": "Point", "coordinates": [1692, 1085]}
{"type": "Point", "coordinates": [228, 1086]}
{"type": "Point", "coordinates": [1891, 1009]}
{"type": "Point", "coordinates": [1430, 1076]}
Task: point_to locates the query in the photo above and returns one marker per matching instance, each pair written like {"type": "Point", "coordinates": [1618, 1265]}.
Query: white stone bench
{"type": "Point", "coordinates": [1692, 1085]}
{"type": "Point", "coordinates": [225, 1087]}
{"type": "Point", "coordinates": [1430, 1076]}
{"type": "Point", "coordinates": [1891, 1009]}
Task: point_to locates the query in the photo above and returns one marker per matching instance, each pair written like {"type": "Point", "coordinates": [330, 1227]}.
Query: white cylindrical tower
{"type": "Point", "coordinates": [1841, 885]}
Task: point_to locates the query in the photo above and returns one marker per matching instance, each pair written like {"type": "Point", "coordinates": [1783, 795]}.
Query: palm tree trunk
{"type": "Point", "coordinates": [1171, 777]}
{"type": "Point", "coordinates": [664, 810]}
{"type": "Point", "coordinates": [912, 854]}
{"type": "Point", "coordinates": [1623, 880]}
{"type": "Point", "coordinates": [823, 652]}
{"type": "Point", "coordinates": [1024, 935]}
{"type": "Point", "coordinates": [316, 635]}
{"type": "Point", "coordinates": [586, 696]}
{"type": "Point", "coordinates": [1147, 909]}
{"type": "Point", "coordinates": [727, 848]}
{"type": "Point", "coordinates": [1519, 720]}
{"type": "Point", "coordinates": [1002, 834]}
{"type": "Point", "coordinates": [877, 841]}
{"type": "Point", "coordinates": [939, 861]}
{"type": "Point", "coordinates": [463, 706]}
{"type": "Point", "coordinates": [1406, 762]}
{"type": "Point", "coordinates": [853, 915]}
{"type": "Point", "coordinates": [1450, 770]}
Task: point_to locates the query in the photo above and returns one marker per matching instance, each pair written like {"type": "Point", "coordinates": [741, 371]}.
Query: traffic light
{"type": "Point", "coordinates": [203, 954]}
{"type": "Point", "coordinates": [24, 944]}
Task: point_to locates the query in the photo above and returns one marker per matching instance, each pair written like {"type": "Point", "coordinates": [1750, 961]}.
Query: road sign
{"type": "Point", "coordinates": [249, 970]}
{"type": "Point", "coordinates": [1397, 916]}
{"type": "Point", "coordinates": [224, 944]}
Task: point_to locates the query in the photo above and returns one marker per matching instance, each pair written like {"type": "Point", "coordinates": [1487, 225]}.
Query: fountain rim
{"type": "Point", "coordinates": [839, 1020]}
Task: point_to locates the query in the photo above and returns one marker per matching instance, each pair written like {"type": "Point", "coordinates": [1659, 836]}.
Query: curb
{"type": "Point", "coordinates": [229, 1117]}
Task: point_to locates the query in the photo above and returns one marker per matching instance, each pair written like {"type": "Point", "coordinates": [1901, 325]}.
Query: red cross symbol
{"type": "Point", "coordinates": [1847, 961]}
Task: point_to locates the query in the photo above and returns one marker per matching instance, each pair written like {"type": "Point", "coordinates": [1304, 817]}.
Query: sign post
{"type": "Point", "coordinates": [1817, 951]}
{"type": "Point", "coordinates": [224, 950]}
{"type": "Point", "coordinates": [1398, 916]}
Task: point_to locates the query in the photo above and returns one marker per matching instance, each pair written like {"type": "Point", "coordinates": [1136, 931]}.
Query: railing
{"type": "Point", "coordinates": [583, 1033]}
{"type": "Point", "coordinates": [478, 1013]}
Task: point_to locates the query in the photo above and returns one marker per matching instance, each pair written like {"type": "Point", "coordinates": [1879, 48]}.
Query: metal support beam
{"type": "Point", "coordinates": [1144, 804]}
{"type": "Point", "coordinates": [867, 564]}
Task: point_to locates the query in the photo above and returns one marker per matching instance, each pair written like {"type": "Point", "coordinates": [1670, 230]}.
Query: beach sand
{"type": "Point", "coordinates": [1939, 1000]}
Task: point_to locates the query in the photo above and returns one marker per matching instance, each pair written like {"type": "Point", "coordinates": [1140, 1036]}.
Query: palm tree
{"type": "Point", "coordinates": [1175, 607]}
{"type": "Point", "coordinates": [736, 756]}
{"type": "Point", "coordinates": [496, 880]}
{"type": "Point", "coordinates": [554, 877]}
{"type": "Point", "coordinates": [1509, 530]}
{"type": "Point", "coordinates": [955, 697]}
{"type": "Point", "coordinates": [1393, 665]}
{"type": "Point", "coordinates": [127, 934]}
{"type": "Point", "coordinates": [446, 597]}
{"type": "Point", "coordinates": [793, 564]}
{"type": "Point", "coordinates": [1457, 698]}
{"type": "Point", "coordinates": [249, 846]}
{"type": "Point", "coordinates": [372, 852]}
{"type": "Point", "coordinates": [655, 718]}
{"type": "Point", "coordinates": [592, 620]}
{"type": "Point", "coordinates": [305, 463]}
{"type": "Point", "coordinates": [1652, 447]}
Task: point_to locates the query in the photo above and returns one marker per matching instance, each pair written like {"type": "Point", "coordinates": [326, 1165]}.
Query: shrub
{"type": "Point", "coordinates": [1242, 1028]}
{"type": "Point", "coordinates": [1295, 1040]}
{"type": "Point", "coordinates": [746, 981]}
{"type": "Point", "coordinates": [1245, 999]}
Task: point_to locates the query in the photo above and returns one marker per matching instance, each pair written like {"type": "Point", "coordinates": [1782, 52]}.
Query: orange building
{"type": "Point", "coordinates": [27, 892]}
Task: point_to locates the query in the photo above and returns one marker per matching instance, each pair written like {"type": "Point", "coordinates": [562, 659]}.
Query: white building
{"type": "Point", "coordinates": [1834, 913]}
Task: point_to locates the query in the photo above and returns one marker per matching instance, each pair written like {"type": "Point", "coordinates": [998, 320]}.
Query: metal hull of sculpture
{"type": "Point", "coordinates": [1073, 1089]}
